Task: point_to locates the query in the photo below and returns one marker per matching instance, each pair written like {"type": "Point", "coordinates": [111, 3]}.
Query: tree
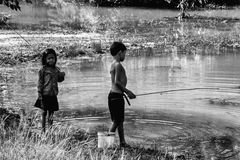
{"type": "Point", "coordinates": [13, 4]}
{"type": "Point", "coordinates": [183, 5]}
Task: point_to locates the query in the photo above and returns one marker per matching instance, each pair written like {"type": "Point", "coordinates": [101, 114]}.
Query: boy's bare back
{"type": "Point", "coordinates": [118, 76]}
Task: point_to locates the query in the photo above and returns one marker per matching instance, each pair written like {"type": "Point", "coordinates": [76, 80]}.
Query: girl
{"type": "Point", "coordinates": [49, 76]}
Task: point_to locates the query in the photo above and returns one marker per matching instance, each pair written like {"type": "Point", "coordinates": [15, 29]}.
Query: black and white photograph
{"type": "Point", "coordinates": [119, 79]}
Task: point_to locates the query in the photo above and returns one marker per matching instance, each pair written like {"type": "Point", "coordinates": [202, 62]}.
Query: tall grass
{"type": "Point", "coordinates": [52, 145]}
{"type": "Point", "coordinates": [58, 142]}
{"type": "Point", "coordinates": [62, 143]}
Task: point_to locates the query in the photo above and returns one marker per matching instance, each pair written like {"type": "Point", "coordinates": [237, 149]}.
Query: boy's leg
{"type": "Point", "coordinates": [113, 127]}
{"type": "Point", "coordinates": [121, 134]}
{"type": "Point", "coordinates": [121, 137]}
{"type": "Point", "coordinates": [44, 114]}
{"type": "Point", "coordinates": [50, 118]}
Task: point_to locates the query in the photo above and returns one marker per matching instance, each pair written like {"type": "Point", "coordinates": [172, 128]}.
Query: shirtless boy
{"type": "Point", "coordinates": [115, 97]}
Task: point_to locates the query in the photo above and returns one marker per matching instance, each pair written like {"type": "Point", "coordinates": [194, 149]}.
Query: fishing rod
{"type": "Point", "coordinates": [29, 45]}
{"type": "Point", "coordinates": [186, 89]}
{"type": "Point", "coordinates": [18, 34]}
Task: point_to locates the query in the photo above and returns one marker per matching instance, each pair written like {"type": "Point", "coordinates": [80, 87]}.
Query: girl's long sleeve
{"type": "Point", "coordinates": [40, 84]}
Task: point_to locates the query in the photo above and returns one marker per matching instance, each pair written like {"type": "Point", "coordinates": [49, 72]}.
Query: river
{"type": "Point", "coordinates": [83, 94]}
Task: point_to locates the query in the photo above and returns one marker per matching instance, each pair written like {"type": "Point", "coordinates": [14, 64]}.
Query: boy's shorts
{"type": "Point", "coordinates": [116, 107]}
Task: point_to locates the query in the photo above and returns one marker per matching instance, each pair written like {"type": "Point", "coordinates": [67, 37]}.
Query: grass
{"type": "Point", "coordinates": [56, 143]}
{"type": "Point", "coordinates": [64, 143]}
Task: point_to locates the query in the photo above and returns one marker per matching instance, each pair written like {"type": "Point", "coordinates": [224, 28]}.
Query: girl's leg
{"type": "Point", "coordinates": [50, 118]}
{"type": "Point", "coordinates": [44, 114]}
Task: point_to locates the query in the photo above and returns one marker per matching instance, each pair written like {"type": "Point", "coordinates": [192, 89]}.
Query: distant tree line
{"type": "Point", "coordinates": [182, 4]}
{"type": "Point", "coordinates": [162, 3]}
{"type": "Point", "coordinates": [13, 4]}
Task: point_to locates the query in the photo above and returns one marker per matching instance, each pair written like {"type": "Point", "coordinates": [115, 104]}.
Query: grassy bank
{"type": "Point", "coordinates": [66, 143]}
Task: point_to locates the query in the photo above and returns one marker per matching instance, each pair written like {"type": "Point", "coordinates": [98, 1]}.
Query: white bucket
{"type": "Point", "coordinates": [105, 139]}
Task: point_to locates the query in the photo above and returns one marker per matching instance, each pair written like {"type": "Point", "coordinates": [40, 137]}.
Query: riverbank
{"type": "Point", "coordinates": [67, 141]}
{"type": "Point", "coordinates": [21, 138]}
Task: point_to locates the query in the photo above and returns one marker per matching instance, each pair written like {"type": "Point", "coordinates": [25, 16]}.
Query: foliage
{"type": "Point", "coordinates": [183, 5]}
{"type": "Point", "coordinates": [14, 4]}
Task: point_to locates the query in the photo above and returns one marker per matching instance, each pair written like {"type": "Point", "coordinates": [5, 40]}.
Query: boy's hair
{"type": "Point", "coordinates": [47, 52]}
{"type": "Point", "coordinates": [116, 47]}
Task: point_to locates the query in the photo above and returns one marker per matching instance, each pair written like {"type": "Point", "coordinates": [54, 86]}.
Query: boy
{"type": "Point", "coordinates": [118, 88]}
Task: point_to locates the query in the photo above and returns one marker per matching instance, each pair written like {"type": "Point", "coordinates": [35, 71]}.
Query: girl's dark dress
{"type": "Point", "coordinates": [50, 103]}
{"type": "Point", "coordinates": [48, 88]}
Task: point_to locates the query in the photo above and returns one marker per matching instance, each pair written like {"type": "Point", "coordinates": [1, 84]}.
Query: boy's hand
{"type": "Point", "coordinates": [130, 94]}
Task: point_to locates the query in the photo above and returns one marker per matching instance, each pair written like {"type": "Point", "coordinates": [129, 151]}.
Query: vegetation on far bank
{"type": "Point", "coordinates": [195, 35]}
{"type": "Point", "coordinates": [182, 5]}
{"type": "Point", "coordinates": [15, 4]}
{"type": "Point", "coordinates": [191, 35]}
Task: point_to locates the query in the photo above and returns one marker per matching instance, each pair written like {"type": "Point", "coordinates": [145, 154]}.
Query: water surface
{"type": "Point", "coordinates": [87, 84]}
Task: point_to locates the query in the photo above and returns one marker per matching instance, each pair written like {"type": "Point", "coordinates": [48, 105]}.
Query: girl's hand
{"type": "Point", "coordinates": [42, 106]}
{"type": "Point", "coordinates": [61, 76]}
{"type": "Point", "coordinates": [63, 73]}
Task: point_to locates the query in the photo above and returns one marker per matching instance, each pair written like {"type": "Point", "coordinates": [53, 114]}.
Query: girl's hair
{"type": "Point", "coordinates": [116, 47]}
{"type": "Point", "coordinates": [47, 52]}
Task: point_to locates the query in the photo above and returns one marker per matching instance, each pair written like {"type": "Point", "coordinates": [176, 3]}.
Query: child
{"type": "Point", "coordinates": [49, 76]}
{"type": "Point", "coordinates": [115, 97]}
